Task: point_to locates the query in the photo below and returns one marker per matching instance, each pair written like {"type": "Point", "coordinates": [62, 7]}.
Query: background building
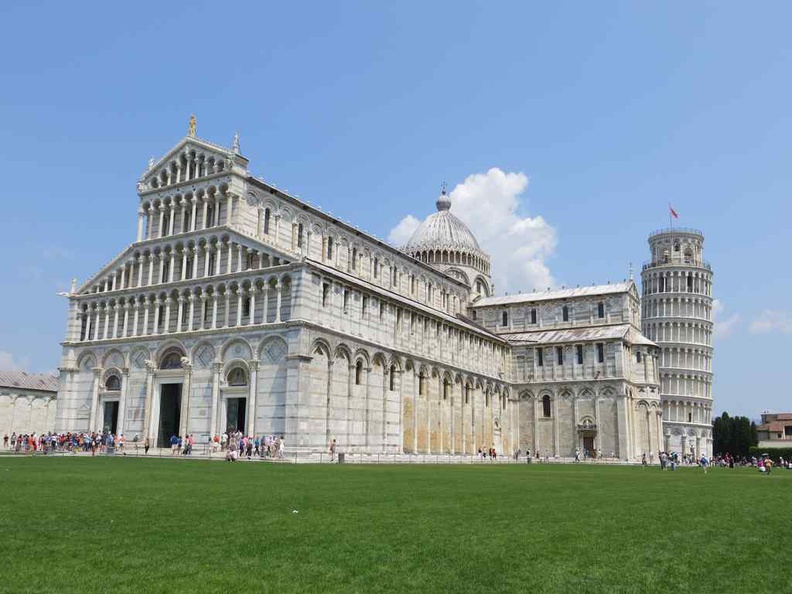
{"type": "Point", "coordinates": [775, 430]}
{"type": "Point", "coordinates": [677, 316]}
{"type": "Point", "coordinates": [27, 402]}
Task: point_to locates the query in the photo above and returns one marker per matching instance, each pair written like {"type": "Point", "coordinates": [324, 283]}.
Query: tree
{"type": "Point", "coordinates": [733, 435]}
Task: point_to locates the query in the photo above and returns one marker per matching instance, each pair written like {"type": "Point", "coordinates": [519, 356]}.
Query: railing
{"type": "Point", "coordinates": [672, 230]}
{"type": "Point", "coordinates": [677, 262]}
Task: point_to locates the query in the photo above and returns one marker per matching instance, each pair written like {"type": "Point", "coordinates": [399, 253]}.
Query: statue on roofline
{"type": "Point", "coordinates": [192, 125]}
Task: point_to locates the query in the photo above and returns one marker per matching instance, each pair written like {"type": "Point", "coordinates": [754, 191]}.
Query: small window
{"type": "Point", "coordinates": [676, 247]}
{"type": "Point", "coordinates": [266, 221]}
{"type": "Point", "coordinates": [474, 314]}
{"type": "Point", "coordinates": [376, 267]}
{"type": "Point", "coordinates": [113, 384]}
{"type": "Point", "coordinates": [421, 384]}
{"type": "Point", "coordinates": [300, 230]}
{"type": "Point", "coordinates": [533, 316]}
{"type": "Point", "coordinates": [600, 352]}
{"type": "Point", "coordinates": [505, 318]}
{"type": "Point", "coordinates": [600, 310]}
{"type": "Point", "coordinates": [690, 284]}
{"type": "Point", "coordinates": [358, 373]}
{"type": "Point", "coordinates": [212, 261]}
{"type": "Point", "coordinates": [546, 406]}
{"type": "Point", "coordinates": [690, 417]}
{"type": "Point", "coordinates": [467, 394]}
{"type": "Point", "coordinates": [353, 264]}
{"type": "Point", "coordinates": [446, 389]}
{"type": "Point", "coordinates": [325, 293]}
{"type": "Point", "coordinates": [346, 300]}
{"type": "Point", "coordinates": [237, 377]}
{"type": "Point", "coordinates": [560, 355]}
{"type": "Point", "coordinates": [246, 307]}
{"type": "Point", "coordinates": [364, 305]}
{"type": "Point", "coordinates": [539, 358]}
{"type": "Point", "coordinates": [392, 386]}
{"type": "Point", "coordinates": [565, 313]}
{"type": "Point", "coordinates": [329, 248]}
{"type": "Point", "coordinates": [579, 351]}
{"type": "Point", "coordinates": [638, 356]}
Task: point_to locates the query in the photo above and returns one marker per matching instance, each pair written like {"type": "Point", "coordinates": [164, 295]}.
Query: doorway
{"type": "Point", "coordinates": [588, 446]}
{"type": "Point", "coordinates": [110, 422]}
{"type": "Point", "coordinates": [235, 414]}
{"type": "Point", "coordinates": [170, 413]}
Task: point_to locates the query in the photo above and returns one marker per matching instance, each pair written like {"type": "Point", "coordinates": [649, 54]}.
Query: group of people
{"type": "Point", "coordinates": [75, 442]}
{"type": "Point", "coordinates": [236, 444]}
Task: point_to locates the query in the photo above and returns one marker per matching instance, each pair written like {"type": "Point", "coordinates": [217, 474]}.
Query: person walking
{"type": "Point", "coordinates": [332, 450]}
{"type": "Point", "coordinates": [146, 445]}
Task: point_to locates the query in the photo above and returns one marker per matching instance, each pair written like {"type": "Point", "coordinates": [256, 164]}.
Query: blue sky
{"type": "Point", "coordinates": [608, 111]}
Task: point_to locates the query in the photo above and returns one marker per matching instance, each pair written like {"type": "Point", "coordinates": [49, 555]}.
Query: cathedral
{"type": "Point", "coordinates": [241, 307]}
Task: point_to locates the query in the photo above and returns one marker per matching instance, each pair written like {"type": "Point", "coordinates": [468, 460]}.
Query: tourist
{"type": "Point", "coordinates": [281, 447]}
{"type": "Point", "coordinates": [5, 441]}
{"type": "Point", "coordinates": [332, 450]}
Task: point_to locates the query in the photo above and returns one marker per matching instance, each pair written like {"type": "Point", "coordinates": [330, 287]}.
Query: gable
{"type": "Point", "coordinates": [191, 159]}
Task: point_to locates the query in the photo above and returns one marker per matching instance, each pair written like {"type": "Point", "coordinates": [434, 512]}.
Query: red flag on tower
{"type": "Point", "coordinates": [673, 212]}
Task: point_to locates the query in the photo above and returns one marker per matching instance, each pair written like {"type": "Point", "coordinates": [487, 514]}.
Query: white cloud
{"type": "Point", "coordinates": [772, 320]}
{"type": "Point", "coordinates": [488, 203]}
{"type": "Point", "coordinates": [723, 328]}
{"type": "Point", "coordinates": [8, 363]}
{"type": "Point", "coordinates": [402, 232]}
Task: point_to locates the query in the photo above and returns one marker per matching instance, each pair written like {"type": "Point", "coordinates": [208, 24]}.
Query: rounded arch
{"type": "Point", "coordinates": [171, 344]}
{"type": "Point", "coordinates": [86, 361]}
{"type": "Point", "coordinates": [320, 345]}
{"type": "Point", "coordinates": [273, 350]}
{"type": "Point", "coordinates": [342, 351]}
{"type": "Point", "coordinates": [114, 358]}
{"type": "Point", "coordinates": [236, 348]}
{"type": "Point", "coordinates": [362, 355]}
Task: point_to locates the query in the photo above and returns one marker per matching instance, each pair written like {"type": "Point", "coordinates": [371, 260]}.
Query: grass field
{"type": "Point", "coordinates": [137, 525]}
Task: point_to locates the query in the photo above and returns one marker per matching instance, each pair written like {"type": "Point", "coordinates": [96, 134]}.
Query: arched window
{"type": "Point", "coordinates": [300, 235]}
{"type": "Point", "coordinates": [600, 310]}
{"type": "Point", "coordinates": [237, 377]}
{"type": "Point", "coordinates": [354, 259]}
{"type": "Point", "coordinates": [467, 393]}
{"type": "Point", "coordinates": [446, 388]}
{"type": "Point", "coordinates": [329, 248]}
{"type": "Point", "coordinates": [210, 216]}
{"type": "Point", "coordinates": [358, 373]}
{"type": "Point", "coordinates": [113, 384]}
{"type": "Point", "coordinates": [171, 360]}
{"type": "Point", "coordinates": [392, 386]}
{"type": "Point", "coordinates": [638, 356]}
{"type": "Point", "coordinates": [421, 384]}
{"type": "Point", "coordinates": [546, 406]}
{"type": "Point", "coordinates": [505, 318]}
{"type": "Point", "coordinates": [266, 221]}
{"type": "Point", "coordinates": [565, 313]}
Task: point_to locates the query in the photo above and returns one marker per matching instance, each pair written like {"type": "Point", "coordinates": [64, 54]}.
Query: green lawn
{"type": "Point", "coordinates": [136, 525]}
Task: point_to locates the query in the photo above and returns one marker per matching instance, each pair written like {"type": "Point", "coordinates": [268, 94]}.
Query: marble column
{"type": "Point", "coordinates": [122, 401]}
{"type": "Point", "coordinates": [251, 420]}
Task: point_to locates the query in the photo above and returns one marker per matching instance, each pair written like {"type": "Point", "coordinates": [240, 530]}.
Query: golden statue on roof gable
{"type": "Point", "coordinates": [192, 126]}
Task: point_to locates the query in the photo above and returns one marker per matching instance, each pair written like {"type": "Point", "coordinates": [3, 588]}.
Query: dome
{"type": "Point", "coordinates": [442, 231]}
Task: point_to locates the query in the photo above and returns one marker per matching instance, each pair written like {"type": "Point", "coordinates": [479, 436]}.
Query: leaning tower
{"type": "Point", "coordinates": [677, 315]}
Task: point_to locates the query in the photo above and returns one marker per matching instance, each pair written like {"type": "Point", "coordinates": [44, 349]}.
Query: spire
{"type": "Point", "coordinates": [632, 276]}
{"type": "Point", "coordinates": [444, 202]}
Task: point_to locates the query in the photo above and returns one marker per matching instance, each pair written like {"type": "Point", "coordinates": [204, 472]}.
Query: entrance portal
{"type": "Point", "coordinates": [170, 413]}
{"type": "Point", "coordinates": [588, 445]}
{"type": "Point", "coordinates": [109, 425]}
{"type": "Point", "coordinates": [235, 414]}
